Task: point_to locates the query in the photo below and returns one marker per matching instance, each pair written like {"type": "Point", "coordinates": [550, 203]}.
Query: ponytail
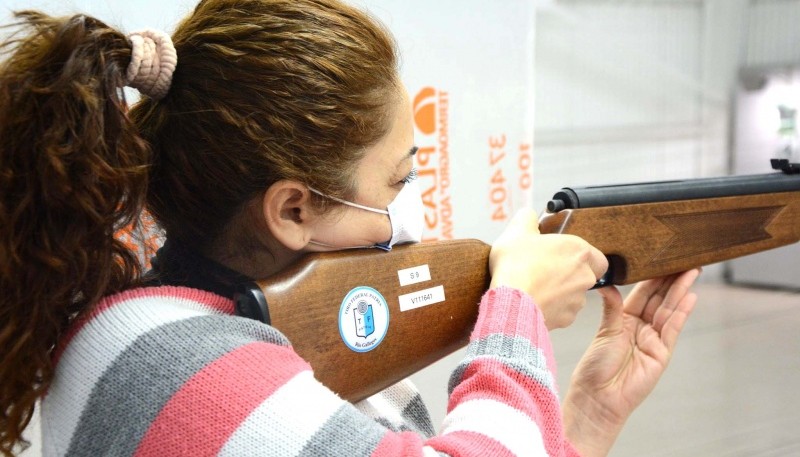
{"type": "Point", "coordinates": [72, 171]}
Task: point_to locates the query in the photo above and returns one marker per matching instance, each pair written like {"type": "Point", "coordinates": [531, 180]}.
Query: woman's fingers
{"type": "Point", "coordinates": [639, 297]}
{"type": "Point", "coordinates": [555, 269]}
{"type": "Point", "coordinates": [677, 292]}
{"type": "Point", "coordinates": [675, 321]}
{"type": "Point", "coordinates": [597, 262]}
{"type": "Point", "coordinates": [657, 297]}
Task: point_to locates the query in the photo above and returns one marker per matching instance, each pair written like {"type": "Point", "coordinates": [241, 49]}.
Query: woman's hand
{"type": "Point", "coordinates": [555, 270]}
{"type": "Point", "coordinates": [626, 359]}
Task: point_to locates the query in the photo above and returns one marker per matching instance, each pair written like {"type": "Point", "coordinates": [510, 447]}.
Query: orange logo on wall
{"type": "Point", "coordinates": [425, 110]}
{"type": "Point", "coordinates": [431, 117]}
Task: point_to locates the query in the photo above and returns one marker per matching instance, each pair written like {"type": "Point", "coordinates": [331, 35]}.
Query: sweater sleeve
{"type": "Point", "coordinates": [505, 389]}
{"type": "Point", "coordinates": [208, 384]}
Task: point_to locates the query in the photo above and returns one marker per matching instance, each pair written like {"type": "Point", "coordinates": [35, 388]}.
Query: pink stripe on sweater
{"type": "Point", "coordinates": [207, 299]}
{"type": "Point", "coordinates": [201, 417]}
{"type": "Point", "coordinates": [489, 379]}
{"type": "Point", "coordinates": [468, 443]}
{"type": "Point", "coordinates": [407, 444]}
{"type": "Point", "coordinates": [513, 319]}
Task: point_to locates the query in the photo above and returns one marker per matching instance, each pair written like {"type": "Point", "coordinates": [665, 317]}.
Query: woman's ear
{"type": "Point", "coordinates": [287, 212]}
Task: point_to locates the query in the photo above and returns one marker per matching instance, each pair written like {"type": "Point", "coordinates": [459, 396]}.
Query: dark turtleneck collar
{"type": "Point", "coordinates": [177, 265]}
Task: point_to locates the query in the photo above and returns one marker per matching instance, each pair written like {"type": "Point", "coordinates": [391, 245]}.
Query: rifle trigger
{"type": "Point", "coordinates": [249, 301]}
{"type": "Point", "coordinates": [602, 282]}
{"type": "Point", "coordinates": [607, 279]}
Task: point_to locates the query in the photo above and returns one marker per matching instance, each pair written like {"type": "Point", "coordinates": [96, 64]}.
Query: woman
{"type": "Point", "coordinates": [270, 129]}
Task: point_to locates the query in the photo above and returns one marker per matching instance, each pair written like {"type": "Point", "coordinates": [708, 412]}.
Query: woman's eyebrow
{"type": "Point", "coordinates": [411, 152]}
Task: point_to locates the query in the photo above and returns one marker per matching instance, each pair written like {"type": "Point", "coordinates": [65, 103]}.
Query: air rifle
{"type": "Point", "coordinates": [365, 319]}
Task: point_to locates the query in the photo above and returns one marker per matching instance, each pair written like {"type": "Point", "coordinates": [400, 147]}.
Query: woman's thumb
{"type": "Point", "coordinates": [526, 220]}
{"type": "Point", "coordinates": [612, 309]}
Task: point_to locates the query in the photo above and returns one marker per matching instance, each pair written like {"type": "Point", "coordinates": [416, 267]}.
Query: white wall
{"type": "Point", "coordinates": [618, 92]}
{"type": "Point", "coordinates": [772, 34]}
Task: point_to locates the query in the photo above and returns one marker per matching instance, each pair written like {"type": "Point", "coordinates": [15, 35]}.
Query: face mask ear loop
{"type": "Point", "coordinates": [345, 202]}
{"type": "Point", "coordinates": [325, 245]}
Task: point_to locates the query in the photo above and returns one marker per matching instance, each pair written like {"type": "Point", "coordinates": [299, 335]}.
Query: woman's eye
{"type": "Point", "coordinates": [412, 175]}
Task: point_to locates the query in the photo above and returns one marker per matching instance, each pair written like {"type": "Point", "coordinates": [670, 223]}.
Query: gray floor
{"type": "Point", "coordinates": [730, 390]}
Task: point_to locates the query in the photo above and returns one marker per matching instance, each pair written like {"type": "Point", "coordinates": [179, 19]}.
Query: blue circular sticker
{"type": "Point", "coordinates": [363, 319]}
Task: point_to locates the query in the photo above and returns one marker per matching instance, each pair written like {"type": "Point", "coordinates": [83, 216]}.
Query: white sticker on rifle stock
{"type": "Point", "coordinates": [421, 298]}
{"type": "Point", "coordinates": [363, 319]}
{"type": "Point", "coordinates": [414, 275]}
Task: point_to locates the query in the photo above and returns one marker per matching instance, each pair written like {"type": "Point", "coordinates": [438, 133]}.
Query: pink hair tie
{"type": "Point", "coordinates": [153, 60]}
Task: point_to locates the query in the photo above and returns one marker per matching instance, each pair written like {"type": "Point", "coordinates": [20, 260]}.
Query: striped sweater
{"type": "Point", "coordinates": [170, 371]}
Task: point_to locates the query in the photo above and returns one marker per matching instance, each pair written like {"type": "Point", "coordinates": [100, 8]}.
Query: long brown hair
{"type": "Point", "coordinates": [263, 90]}
{"type": "Point", "coordinates": [71, 170]}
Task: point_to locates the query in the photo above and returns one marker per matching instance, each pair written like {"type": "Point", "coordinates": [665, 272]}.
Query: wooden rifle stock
{"type": "Point", "coordinates": [681, 235]}
{"type": "Point", "coordinates": [305, 300]}
{"type": "Point", "coordinates": [657, 235]}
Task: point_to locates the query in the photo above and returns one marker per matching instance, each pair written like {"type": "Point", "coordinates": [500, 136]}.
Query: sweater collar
{"type": "Point", "coordinates": [176, 264]}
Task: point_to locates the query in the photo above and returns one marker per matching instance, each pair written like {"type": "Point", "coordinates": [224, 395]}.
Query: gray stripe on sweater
{"type": "Point", "coordinates": [515, 352]}
{"type": "Point", "coordinates": [395, 428]}
{"type": "Point", "coordinates": [132, 391]}
{"type": "Point", "coordinates": [417, 414]}
{"type": "Point", "coordinates": [347, 432]}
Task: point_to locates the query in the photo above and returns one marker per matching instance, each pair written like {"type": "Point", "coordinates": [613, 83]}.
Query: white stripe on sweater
{"type": "Point", "coordinates": [96, 347]}
{"type": "Point", "coordinates": [286, 420]}
{"type": "Point", "coordinates": [389, 403]}
{"type": "Point", "coordinates": [509, 426]}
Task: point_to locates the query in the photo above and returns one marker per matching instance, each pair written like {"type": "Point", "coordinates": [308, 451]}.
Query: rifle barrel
{"type": "Point", "coordinates": [663, 191]}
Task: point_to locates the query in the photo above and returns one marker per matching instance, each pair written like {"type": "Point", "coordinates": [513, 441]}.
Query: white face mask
{"type": "Point", "coordinates": [405, 212]}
